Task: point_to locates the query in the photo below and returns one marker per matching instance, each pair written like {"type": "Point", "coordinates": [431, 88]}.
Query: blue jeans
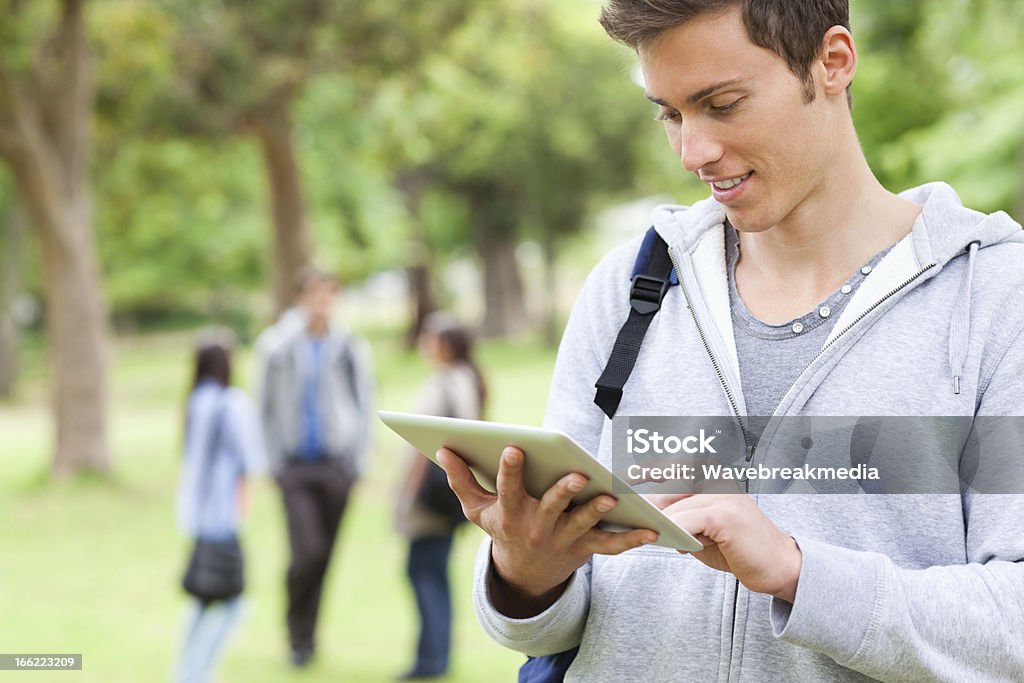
{"type": "Point", "coordinates": [428, 572]}
{"type": "Point", "coordinates": [206, 628]}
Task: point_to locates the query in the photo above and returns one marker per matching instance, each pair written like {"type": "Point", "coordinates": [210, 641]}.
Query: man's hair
{"type": "Point", "coordinates": [307, 276]}
{"type": "Point", "coordinates": [792, 29]}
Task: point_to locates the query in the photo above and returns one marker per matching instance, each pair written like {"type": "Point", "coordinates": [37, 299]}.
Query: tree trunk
{"type": "Point", "coordinates": [419, 272]}
{"type": "Point", "coordinates": [504, 306]}
{"type": "Point", "coordinates": [11, 229]}
{"type": "Point", "coordinates": [504, 300]}
{"type": "Point", "coordinates": [292, 244]}
{"type": "Point", "coordinates": [76, 315]}
{"type": "Point", "coordinates": [551, 326]}
{"type": "Point", "coordinates": [45, 136]}
{"type": "Point", "coordinates": [421, 300]}
{"type": "Point", "coordinates": [77, 337]}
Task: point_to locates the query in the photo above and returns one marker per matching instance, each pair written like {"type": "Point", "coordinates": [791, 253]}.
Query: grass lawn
{"type": "Point", "coordinates": [92, 566]}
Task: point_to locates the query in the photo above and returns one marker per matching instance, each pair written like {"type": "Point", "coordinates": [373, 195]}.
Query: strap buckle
{"type": "Point", "coordinates": [646, 293]}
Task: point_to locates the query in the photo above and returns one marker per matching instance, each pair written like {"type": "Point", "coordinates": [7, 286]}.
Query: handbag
{"type": "Point", "coordinates": [434, 494]}
{"type": "Point", "coordinates": [215, 569]}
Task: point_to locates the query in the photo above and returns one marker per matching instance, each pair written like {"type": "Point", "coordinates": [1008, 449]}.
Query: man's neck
{"type": "Point", "coordinates": [317, 328]}
{"type": "Point", "coordinates": [785, 271]}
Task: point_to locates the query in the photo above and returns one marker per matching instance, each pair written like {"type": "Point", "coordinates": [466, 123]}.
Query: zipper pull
{"type": "Point", "coordinates": [746, 461]}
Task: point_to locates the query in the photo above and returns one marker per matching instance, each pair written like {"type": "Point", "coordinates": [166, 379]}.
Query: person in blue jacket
{"type": "Point", "coordinates": [223, 450]}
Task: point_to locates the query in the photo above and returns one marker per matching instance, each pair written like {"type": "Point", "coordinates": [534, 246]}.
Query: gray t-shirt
{"type": "Point", "coordinates": [773, 356]}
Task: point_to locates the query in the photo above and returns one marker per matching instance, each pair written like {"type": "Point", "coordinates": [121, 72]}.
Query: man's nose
{"type": "Point", "coordinates": [698, 147]}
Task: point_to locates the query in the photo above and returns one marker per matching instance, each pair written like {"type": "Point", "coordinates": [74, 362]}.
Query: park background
{"type": "Point", "coordinates": [167, 164]}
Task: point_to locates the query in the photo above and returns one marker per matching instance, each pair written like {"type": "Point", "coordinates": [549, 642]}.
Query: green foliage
{"type": "Point", "coordinates": [525, 104]}
{"type": "Point", "coordinates": [358, 219]}
{"type": "Point", "coordinates": [939, 94]}
{"type": "Point", "coordinates": [23, 23]}
{"type": "Point", "coordinates": [132, 44]}
{"type": "Point", "coordinates": [537, 127]}
{"type": "Point", "coordinates": [180, 224]}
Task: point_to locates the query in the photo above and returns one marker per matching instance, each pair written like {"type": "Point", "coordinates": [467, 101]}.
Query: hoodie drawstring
{"type": "Point", "coordinates": [960, 327]}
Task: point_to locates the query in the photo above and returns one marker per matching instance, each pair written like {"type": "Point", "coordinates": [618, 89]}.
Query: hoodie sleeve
{"type": "Point", "coordinates": [364, 390]}
{"type": "Point", "coordinates": [268, 406]}
{"type": "Point", "coordinates": [963, 622]}
{"type": "Point", "coordinates": [556, 629]}
{"type": "Point", "coordinates": [570, 409]}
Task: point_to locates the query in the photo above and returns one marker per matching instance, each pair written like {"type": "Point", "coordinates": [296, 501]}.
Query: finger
{"type": "Point", "coordinates": [697, 522]}
{"type": "Point", "coordinates": [722, 487]}
{"type": "Point", "coordinates": [601, 542]}
{"type": "Point", "coordinates": [663, 500]}
{"type": "Point", "coordinates": [511, 494]}
{"type": "Point", "coordinates": [694, 502]}
{"type": "Point", "coordinates": [582, 519]}
{"type": "Point", "coordinates": [557, 499]}
{"type": "Point", "coordinates": [463, 482]}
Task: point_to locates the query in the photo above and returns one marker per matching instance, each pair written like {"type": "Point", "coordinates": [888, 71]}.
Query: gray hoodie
{"type": "Point", "coordinates": [345, 398]}
{"type": "Point", "coordinates": [893, 587]}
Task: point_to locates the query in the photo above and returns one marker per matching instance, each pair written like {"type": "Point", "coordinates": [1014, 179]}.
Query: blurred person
{"type": "Point", "coordinates": [801, 287]}
{"type": "Point", "coordinates": [428, 512]}
{"type": "Point", "coordinates": [223, 449]}
{"type": "Point", "coordinates": [315, 404]}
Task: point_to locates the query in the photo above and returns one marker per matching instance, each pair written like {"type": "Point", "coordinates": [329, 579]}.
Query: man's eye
{"type": "Point", "coordinates": [724, 108]}
{"type": "Point", "coordinates": [667, 115]}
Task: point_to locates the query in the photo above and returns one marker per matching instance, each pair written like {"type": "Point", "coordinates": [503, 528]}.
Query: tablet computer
{"type": "Point", "coordinates": [550, 455]}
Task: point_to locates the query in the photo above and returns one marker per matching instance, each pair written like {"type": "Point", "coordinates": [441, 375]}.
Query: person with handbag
{"type": "Point", "coordinates": [223, 449]}
{"type": "Point", "coordinates": [428, 511]}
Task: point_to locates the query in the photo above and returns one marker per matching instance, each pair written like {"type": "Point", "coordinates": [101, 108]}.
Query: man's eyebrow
{"type": "Point", "coordinates": [700, 94]}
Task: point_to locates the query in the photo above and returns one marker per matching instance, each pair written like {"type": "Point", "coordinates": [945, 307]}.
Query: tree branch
{"type": "Point", "coordinates": [8, 92]}
{"type": "Point", "coordinates": [278, 99]}
{"type": "Point", "coordinates": [12, 107]}
{"type": "Point", "coordinates": [8, 142]}
{"type": "Point", "coordinates": [78, 66]}
{"type": "Point", "coordinates": [62, 79]}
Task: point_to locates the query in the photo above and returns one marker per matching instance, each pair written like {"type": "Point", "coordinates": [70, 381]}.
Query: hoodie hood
{"type": "Point", "coordinates": [944, 231]}
{"type": "Point", "coordinates": [947, 228]}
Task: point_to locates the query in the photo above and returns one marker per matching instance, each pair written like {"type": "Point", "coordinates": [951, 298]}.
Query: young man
{"type": "Point", "coordinates": [315, 403]}
{"type": "Point", "coordinates": [806, 289]}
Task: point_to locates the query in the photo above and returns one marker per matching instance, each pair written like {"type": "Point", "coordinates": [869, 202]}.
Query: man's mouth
{"type": "Point", "coordinates": [730, 183]}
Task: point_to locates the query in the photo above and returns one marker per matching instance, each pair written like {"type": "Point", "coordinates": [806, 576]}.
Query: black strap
{"type": "Point", "coordinates": [652, 278]}
{"type": "Point", "coordinates": [213, 445]}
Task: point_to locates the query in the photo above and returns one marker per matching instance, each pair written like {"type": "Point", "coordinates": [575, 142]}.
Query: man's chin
{"type": "Point", "coordinates": [747, 221]}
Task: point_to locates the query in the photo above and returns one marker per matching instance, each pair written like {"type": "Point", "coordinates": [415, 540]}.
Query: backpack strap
{"type": "Point", "coordinates": [653, 274]}
{"type": "Point", "coordinates": [212, 447]}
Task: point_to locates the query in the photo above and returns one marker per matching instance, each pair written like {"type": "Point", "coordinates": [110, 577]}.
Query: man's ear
{"type": "Point", "coordinates": [837, 61]}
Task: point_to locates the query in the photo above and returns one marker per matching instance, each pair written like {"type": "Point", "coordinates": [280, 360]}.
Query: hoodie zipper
{"type": "Point", "coordinates": [903, 285]}
{"type": "Point", "coordinates": [749, 448]}
{"type": "Point", "coordinates": [893, 292]}
{"type": "Point", "coordinates": [749, 455]}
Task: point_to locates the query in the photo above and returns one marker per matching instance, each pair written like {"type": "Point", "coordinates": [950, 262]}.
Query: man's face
{"type": "Point", "coordinates": [735, 115]}
{"type": "Point", "coordinates": [318, 299]}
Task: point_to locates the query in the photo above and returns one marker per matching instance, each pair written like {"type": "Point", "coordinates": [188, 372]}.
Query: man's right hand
{"type": "Point", "coordinates": [537, 543]}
